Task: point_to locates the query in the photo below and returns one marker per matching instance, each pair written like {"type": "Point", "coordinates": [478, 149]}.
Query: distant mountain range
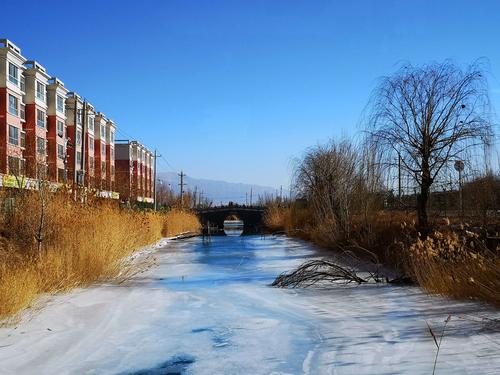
{"type": "Point", "coordinates": [218, 191]}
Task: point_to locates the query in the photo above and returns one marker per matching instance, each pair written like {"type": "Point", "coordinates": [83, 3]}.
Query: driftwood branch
{"type": "Point", "coordinates": [320, 271]}
{"type": "Point", "coordinates": [315, 271]}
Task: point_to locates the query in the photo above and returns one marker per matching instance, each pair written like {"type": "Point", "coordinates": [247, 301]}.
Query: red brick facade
{"type": "Point", "coordinates": [46, 132]}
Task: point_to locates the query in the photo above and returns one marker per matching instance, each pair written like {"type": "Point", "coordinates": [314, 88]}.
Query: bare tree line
{"type": "Point", "coordinates": [421, 120]}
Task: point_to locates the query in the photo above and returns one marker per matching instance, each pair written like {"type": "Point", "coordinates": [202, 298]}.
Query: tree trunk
{"type": "Point", "coordinates": [422, 200]}
{"type": "Point", "coordinates": [423, 222]}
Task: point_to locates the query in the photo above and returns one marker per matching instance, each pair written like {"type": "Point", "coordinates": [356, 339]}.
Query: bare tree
{"type": "Point", "coordinates": [328, 177]}
{"type": "Point", "coordinates": [428, 115]}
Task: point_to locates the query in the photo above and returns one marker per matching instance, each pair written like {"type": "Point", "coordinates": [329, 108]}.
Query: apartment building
{"type": "Point", "coordinates": [134, 171]}
{"type": "Point", "coordinates": [56, 131]}
{"type": "Point", "coordinates": [35, 101]}
{"type": "Point", "coordinates": [100, 150]}
{"type": "Point", "coordinates": [89, 150]}
{"type": "Point", "coordinates": [74, 132]}
{"type": "Point", "coordinates": [12, 119]}
{"type": "Point", "coordinates": [110, 155]}
{"type": "Point", "coordinates": [48, 132]}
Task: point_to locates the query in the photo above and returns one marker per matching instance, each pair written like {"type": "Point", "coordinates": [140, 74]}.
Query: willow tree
{"type": "Point", "coordinates": [427, 116]}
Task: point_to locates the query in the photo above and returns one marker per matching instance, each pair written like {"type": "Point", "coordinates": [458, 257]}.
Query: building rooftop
{"type": "Point", "coordinates": [55, 81]}
{"type": "Point", "coordinates": [6, 43]}
{"type": "Point", "coordinates": [32, 64]}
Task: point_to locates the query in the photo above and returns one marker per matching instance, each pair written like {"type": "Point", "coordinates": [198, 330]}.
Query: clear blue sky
{"type": "Point", "coordinates": [234, 90]}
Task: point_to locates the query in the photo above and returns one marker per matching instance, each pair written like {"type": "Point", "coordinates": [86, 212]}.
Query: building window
{"type": "Point", "coordinates": [112, 170]}
{"type": "Point", "coordinates": [60, 104]}
{"type": "Point", "coordinates": [13, 165]}
{"type": "Point", "coordinates": [112, 153]}
{"type": "Point", "coordinates": [103, 132]}
{"type": "Point", "coordinates": [103, 149]}
{"type": "Point", "coordinates": [60, 128]}
{"type": "Point", "coordinates": [60, 151]}
{"type": "Point", "coordinates": [78, 159]}
{"type": "Point", "coordinates": [40, 118]}
{"type": "Point", "coordinates": [91, 124]}
{"type": "Point", "coordinates": [13, 74]}
{"type": "Point", "coordinates": [78, 117]}
{"type": "Point", "coordinates": [23, 139]}
{"type": "Point", "coordinates": [22, 166]}
{"type": "Point", "coordinates": [40, 91]}
{"type": "Point", "coordinates": [61, 175]}
{"type": "Point", "coordinates": [13, 135]}
{"type": "Point", "coordinates": [91, 163]}
{"type": "Point", "coordinates": [91, 144]}
{"type": "Point", "coordinates": [40, 145]}
{"type": "Point", "coordinates": [78, 137]}
{"type": "Point", "coordinates": [112, 137]}
{"type": "Point", "coordinates": [13, 105]}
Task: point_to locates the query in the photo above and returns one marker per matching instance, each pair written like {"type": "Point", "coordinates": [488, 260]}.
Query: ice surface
{"type": "Point", "coordinates": [208, 309]}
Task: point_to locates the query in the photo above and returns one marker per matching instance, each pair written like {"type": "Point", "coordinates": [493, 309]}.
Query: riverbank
{"type": "Point", "coordinates": [453, 261]}
{"type": "Point", "coordinates": [57, 245]}
{"type": "Point", "coordinates": [209, 309]}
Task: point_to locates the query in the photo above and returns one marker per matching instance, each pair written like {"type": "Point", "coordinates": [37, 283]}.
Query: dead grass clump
{"type": "Point", "coordinates": [79, 245]}
{"type": "Point", "coordinates": [178, 221]}
{"type": "Point", "coordinates": [294, 220]}
{"type": "Point", "coordinates": [457, 265]}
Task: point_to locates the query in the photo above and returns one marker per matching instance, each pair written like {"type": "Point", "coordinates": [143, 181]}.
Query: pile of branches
{"type": "Point", "coordinates": [315, 271]}
{"type": "Point", "coordinates": [321, 270]}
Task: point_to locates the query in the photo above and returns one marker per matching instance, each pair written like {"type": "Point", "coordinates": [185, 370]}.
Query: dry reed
{"type": "Point", "coordinates": [457, 265]}
{"type": "Point", "coordinates": [80, 245]}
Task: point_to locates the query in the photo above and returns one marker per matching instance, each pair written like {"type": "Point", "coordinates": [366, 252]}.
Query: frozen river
{"type": "Point", "coordinates": [208, 309]}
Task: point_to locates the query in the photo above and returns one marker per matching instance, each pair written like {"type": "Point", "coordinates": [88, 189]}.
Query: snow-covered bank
{"type": "Point", "coordinates": [208, 309]}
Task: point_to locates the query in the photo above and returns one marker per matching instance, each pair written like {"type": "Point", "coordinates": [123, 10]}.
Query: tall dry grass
{"type": "Point", "coordinates": [178, 221]}
{"type": "Point", "coordinates": [79, 245]}
{"type": "Point", "coordinates": [293, 219]}
{"type": "Point", "coordinates": [458, 265]}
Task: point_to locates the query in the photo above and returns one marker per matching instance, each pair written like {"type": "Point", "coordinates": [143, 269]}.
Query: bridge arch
{"type": "Point", "coordinates": [252, 216]}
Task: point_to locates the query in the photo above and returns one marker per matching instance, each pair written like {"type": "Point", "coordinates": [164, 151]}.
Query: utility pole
{"type": "Point", "coordinates": [182, 188]}
{"type": "Point", "coordinates": [154, 181]}
{"type": "Point", "coordinates": [251, 193]}
{"type": "Point", "coordinates": [281, 193]}
{"type": "Point", "coordinates": [195, 193]}
{"type": "Point", "coordinates": [246, 198]}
